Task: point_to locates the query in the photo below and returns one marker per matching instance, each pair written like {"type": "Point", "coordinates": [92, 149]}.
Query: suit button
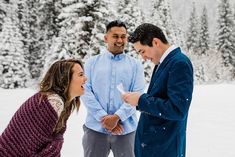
{"type": "Point", "coordinates": [143, 145]}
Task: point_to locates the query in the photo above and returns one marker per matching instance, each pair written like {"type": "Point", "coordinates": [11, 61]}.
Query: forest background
{"type": "Point", "coordinates": [35, 33]}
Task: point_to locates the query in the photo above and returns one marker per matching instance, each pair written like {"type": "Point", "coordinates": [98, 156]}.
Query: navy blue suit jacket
{"type": "Point", "coordinates": [164, 109]}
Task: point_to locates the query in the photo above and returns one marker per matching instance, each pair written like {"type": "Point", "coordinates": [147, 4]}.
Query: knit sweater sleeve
{"type": "Point", "coordinates": [51, 150]}
{"type": "Point", "coordinates": [30, 131]}
{"type": "Point", "coordinates": [2, 151]}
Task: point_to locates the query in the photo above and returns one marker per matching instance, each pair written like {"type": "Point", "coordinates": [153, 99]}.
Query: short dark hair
{"type": "Point", "coordinates": [115, 23]}
{"type": "Point", "coordinates": [145, 33]}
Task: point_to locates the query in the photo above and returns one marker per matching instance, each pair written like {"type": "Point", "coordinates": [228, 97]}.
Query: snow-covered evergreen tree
{"type": "Point", "coordinates": [226, 36]}
{"type": "Point", "coordinates": [14, 69]}
{"type": "Point", "coordinates": [28, 14]}
{"type": "Point", "coordinates": [2, 13]}
{"type": "Point", "coordinates": [204, 33]}
{"type": "Point", "coordinates": [102, 14]}
{"type": "Point", "coordinates": [180, 36]}
{"type": "Point", "coordinates": [193, 31]}
{"type": "Point", "coordinates": [129, 13]}
{"type": "Point", "coordinates": [156, 5]}
{"type": "Point", "coordinates": [64, 43]}
{"type": "Point", "coordinates": [82, 27]}
{"type": "Point", "coordinates": [167, 23]}
{"type": "Point", "coordinates": [234, 11]}
{"type": "Point", "coordinates": [154, 17]}
{"type": "Point", "coordinates": [209, 68]}
{"type": "Point", "coordinates": [48, 22]}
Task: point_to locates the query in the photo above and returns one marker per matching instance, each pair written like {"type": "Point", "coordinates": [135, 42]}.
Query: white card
{"type": "Point", "coordinates": [121, 88]}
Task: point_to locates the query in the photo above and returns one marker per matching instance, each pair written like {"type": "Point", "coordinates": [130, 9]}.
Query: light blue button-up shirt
{"type": "Point", "coordinates": [104, 72]}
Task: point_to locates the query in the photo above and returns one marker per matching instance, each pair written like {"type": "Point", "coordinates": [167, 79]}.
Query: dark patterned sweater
{"type": "Point", "coordinates": [30, 131]}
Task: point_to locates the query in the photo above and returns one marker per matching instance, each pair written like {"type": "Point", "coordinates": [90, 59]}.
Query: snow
{"type": "Point", "coordinates": [210, 130]}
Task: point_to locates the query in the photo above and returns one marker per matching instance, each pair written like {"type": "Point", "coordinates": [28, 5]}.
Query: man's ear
{"type": "Point", "coordinates": [155, 42]}
{"type": "Point", "coordinates": [105, 38]}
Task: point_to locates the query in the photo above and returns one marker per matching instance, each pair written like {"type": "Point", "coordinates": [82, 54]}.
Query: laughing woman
{"type": "Point", "coordinates": [37, 127]}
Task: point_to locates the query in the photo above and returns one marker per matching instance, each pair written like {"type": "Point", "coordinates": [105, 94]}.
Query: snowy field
{"type": "Point", "coordinates": [211, 123]}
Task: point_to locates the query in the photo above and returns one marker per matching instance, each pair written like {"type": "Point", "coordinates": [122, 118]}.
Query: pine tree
{"type": "Point", "coordinates": [14, 70]}
{"type": "Point", "coordinates": [48, 21]}
{"type": "Point", "coordinates": [226, 36]}
{"type": "Point", "coordinates": [204, 33]}
{"type": "Point", "coordinates": [28, 15]}
{"type": "Point", "coordinates": [64, 45]}
{"type": "Point", "coordinates": [155, 16]}
{"type": "Point", "coordinates": [2, 13]}
{"type": "Point", "coordinates": [233, 71]}
{"type": "Point", "coordinates": [234, 12]}
{"type": "Point", "coordinates": [82, 27]}
{"type": "Point", "coordinates": [155, 9]}
{"type": "Point", "coordinates": [102, 15]}
{"type": "Point", "coordinates": [210, 69]}
{"type": "Point", "coordinates": [130, 14]}
{"type": "Point", "coordinates": [167, 22]}
{"type": "Point", "coordinates": [192, 32]}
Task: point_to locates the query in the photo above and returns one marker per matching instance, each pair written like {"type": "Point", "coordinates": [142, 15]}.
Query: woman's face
{"type": "Point", "coordinates": [77, 81]}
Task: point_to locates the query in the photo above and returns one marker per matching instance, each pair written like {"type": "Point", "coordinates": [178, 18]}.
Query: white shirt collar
{"type": "Point", "coordinates": [171, 48]}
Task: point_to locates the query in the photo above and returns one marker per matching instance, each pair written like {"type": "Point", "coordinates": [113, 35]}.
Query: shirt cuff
{"type": "Point", "coordinates": [123, 115]}
{"type": "Point", "coordinates": [99, 114]}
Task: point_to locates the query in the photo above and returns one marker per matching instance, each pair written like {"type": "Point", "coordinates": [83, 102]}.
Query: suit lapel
{"type": "Point", "coordinates": [159, 68]}
{"type": "Point", "coordinates": [154, 73]}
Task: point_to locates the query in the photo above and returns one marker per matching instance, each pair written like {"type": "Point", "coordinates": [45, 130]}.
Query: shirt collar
{"type": "Point", "coordinates": [114, 57]}
{"type": "Point", "coordinates": [171, 48]}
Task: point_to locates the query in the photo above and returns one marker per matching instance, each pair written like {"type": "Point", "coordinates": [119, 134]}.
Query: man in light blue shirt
{"type": "Point", "coordinates": [110, 122]}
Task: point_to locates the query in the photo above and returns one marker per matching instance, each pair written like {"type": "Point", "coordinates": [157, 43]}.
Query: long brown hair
{"type": "Point", "coordinates": [57, 81]}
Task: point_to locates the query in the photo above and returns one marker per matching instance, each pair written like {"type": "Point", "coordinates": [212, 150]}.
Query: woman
{"type": "Point", "coordinates": [37, 128]}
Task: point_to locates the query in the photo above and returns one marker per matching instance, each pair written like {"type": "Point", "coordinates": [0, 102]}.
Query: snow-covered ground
{"type": "Point", "coordinates": [211, 122]}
